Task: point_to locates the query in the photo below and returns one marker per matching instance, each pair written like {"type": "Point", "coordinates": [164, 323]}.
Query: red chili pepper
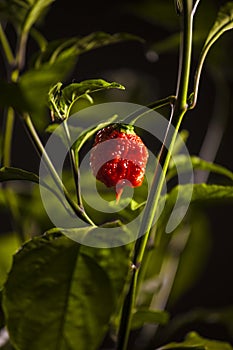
{"type": "Point", "coordinates": [119, 157]}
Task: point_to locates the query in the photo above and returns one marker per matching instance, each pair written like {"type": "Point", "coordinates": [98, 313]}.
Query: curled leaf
{"type": "Point", "coordinates": [61, 99]}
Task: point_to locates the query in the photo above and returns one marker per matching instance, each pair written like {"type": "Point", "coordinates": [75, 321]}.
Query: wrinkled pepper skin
{"type": "Point", "coordinates": [118, 157]}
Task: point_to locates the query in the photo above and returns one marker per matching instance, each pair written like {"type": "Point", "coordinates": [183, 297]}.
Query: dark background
{"type": "Point", "coordinates": [150, 80]}
{"type": "Point", "coordinates": [147, 80]}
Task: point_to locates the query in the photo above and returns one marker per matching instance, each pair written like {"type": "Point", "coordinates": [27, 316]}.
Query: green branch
{"type": "Point", "coordinates": [7, 140]}
{"type": "Point", "coordinates": [185, 57]}
{"type": "Point", "coordinates": [40, 148]}
{"type": "Point", "coordinates": [74, 164]}
{"type": "Point", "coordinates": [180, 107]}
{"type": "Point", "coordinates": [6, 47]}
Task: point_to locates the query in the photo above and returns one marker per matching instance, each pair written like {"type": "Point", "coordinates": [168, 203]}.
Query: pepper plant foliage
{"type": "Point", "coordinates": [58, 294]}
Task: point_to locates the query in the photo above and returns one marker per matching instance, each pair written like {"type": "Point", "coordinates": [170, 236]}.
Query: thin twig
{"type": "Point", "coordinates": [74, 164]}
{"type": "Point", "coordinates": [133, 117]}
{"type": "Point", "coordinates": [38, 144]}
{"type": "Point", "coordinates": [7, 141]}
{"type": "Point", "coordinates": [6, 47]}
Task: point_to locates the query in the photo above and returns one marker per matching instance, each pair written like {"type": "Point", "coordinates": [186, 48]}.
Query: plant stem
{"type": "Point", "coordinates": [185, 57]}
{"type": "Point", "coordinates": [74, 164]}
{"type": "Point", "coordinates": [39, 146]}
{"type": "Point", "coordinates": [133, 117]}
{"type": "Point", "coordinates": [208, 44]}
{"type": "Point", "coordinates": [180, 107]}
{"type": "Point", "coordinates": [8, 137]}
{"type": "Point", "coordinates": [6, 47]}
{"type": "Point", "coordinates": [22, 43]}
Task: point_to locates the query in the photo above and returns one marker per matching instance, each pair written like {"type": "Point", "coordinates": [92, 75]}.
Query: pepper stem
{"type": "Point", "coordinates": [119, 192]}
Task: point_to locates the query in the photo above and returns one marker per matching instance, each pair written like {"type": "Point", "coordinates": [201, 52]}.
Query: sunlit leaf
{"type": "Point", "coordinates": [61, 99]}
{"type": "Point", "coordinates": [224, 22]}
{"type": "Point", "coordinates": [72, 91]}
{"type": "Point", "coordinates": [23, 13]}
{"type": "Point", "coordinates": [35, 13]}
{"type": "Point", "coordinates": [196, 342]}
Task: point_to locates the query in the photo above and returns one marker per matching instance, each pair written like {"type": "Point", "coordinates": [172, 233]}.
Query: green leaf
{"type": "Point", "coordinates": [35, 84]}
{"type": "Point", "coordinates": [59, 49]}
{"type": "Point", "coordinates": [62, 99]}
{"type": "Point", "coordinates": [194, 341]}
{"type": "Point", "coordinates": [9, 243]}
{"type": "Point", "coordinates": [54, 64]}
{"type": "Point", "coordinates": [72, 91]}
{"type": "Point", "coordinates": [141, 317]}
{"type": "Point", "coordinates": [86, 134]}
{"type": "Point", "coordinates": [36, 10]}
{"type": "Point", "coordinates": [224, 22]}
{"type": "Point", "coordinates": [200, 193]}
{"type": "Point", "coordinates": [51, 128]}
{"type": "Point", "coordinates": [181, 163]}
{"type": "Point", "coordinates": [10, 174]}
{"type": "Point", "coordinates": [57, 297]}
{"type": "Point", "coordinates": [23, 13]}
{"type": "Point", "coordinates": [208, 193]}
{"type": "Point", "coordinates": [116, 263]}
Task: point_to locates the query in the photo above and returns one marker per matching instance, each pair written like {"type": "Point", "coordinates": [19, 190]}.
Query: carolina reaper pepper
{"type": "Point", "coordinates": [119, 157]}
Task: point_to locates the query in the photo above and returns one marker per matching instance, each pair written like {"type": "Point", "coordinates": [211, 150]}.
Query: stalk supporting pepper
{"type": "Point", "coordinates": [119, 157]}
